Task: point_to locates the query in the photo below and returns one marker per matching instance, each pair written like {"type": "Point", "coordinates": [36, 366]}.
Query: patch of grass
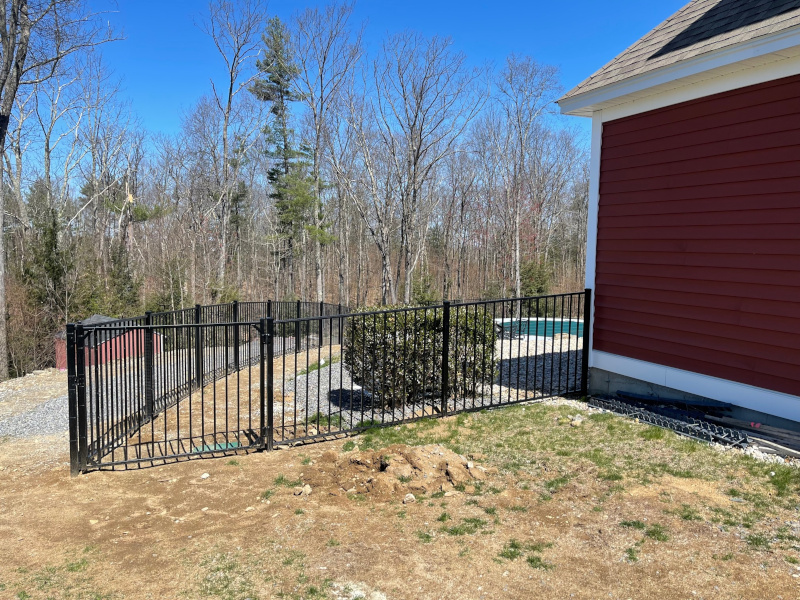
{"type": "Point", "coordinates": [791, 560]}
{"type": "Point", "coordinates": [511, 551]}
{"type": "Point", "coordinates": [402, 514]}
{"type": "Point", "coordinates": [757, 541]}
{"type": "Point", "coordinates": [424, 537]}
{"type": "Point", "coordinates": [443, 517]}
{"type": "Point", "coordinates": [466, 527]}
{"type": "Point", "coordinates": [368, 424]}
{"type": "Point", "coordinates": [724, 557]}
{"type": "Point", "coordinates": [680, 473]}
{"type": "Point", "coordinates": [518, 508]}
{"type": "Point", "coordinates": [267, 494]}
{"type": "Point", "coordinates": [327, 421]}
{"type": "Point", "coordinates": [439, 494]}
{"type": "Point", "coordinates": [490, 510]}
{"type": "Point", "coordinates": [634, 525]}
{"type": "Point", "coordinates": [471, 502]}
{"type": "Point", "coordinates": [348, 446]}
{"type": "Point", "coordinates": [657, 532]}
{"type": "Point", "coordinates": [553, 485]}
{"type": "Point", "coordinates": [226, 578]}
{"type": "Point", "coordinates": [786, 480]}
{"type": "Point", "coordinates": [283, 481]}
{"type": "Point", "coordinates": [232, 463]}
{"type": "Point", "coordinates": [359, 497]}
{"type": "Point", "coordinates": [653, 433]}
{"type": "Point", "coordinates": [536, 562]}
{"type": "Point", "coordinates": [318, 365]}
{"type": "Point", "coordinates": [404, 479]}
{"type": "Point", "coordinates": [611, 476]}
{"type": "Point", "coordinates": [688, 513]}
{"type": "Point", "coordinates": [299, 511]}
{"type": "Point", "coordinates": [632, 555]}
{"type": "Point", "coordinates": [306, 460]}
{"type": "Point", "coordinates": [78, 565]}
{"type": "Point", "coordinates": [332, 543]}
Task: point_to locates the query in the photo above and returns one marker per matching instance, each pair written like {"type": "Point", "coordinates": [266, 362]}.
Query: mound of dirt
{"type": "Point", "coordinates": [394, 472]}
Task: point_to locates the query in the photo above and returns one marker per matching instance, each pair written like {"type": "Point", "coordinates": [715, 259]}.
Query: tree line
{"type": "Point", "coordinates": [314, 167]}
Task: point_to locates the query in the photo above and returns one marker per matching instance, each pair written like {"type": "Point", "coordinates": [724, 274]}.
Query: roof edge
{"type": "Point", "coordinates": [584, 104]}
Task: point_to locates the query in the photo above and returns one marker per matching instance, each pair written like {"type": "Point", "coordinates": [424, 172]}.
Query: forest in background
{"type": "Point", "coordinates": [313, 168]}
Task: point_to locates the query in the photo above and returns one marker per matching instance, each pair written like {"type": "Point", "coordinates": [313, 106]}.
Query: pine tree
{"type": "Point", "coordinates": [296, 203]}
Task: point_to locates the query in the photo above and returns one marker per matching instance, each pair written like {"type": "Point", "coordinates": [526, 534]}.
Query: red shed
{"type": "Point", "coordinates": [107, 344]}
{"type": "Point", "coordinates": [694, 226]}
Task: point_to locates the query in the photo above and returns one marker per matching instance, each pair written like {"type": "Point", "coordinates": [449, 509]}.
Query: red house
{"type": "Point", "coordinates": [106, 345]}
{"type": "Point", "coordinates": [694, 227]}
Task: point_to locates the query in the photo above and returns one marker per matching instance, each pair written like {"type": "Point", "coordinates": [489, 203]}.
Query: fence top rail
{"type": "Point", "coordinates": [90, 328]}
{"type": "Point", "coordinates": [189, 310]}
{"type": "Point", "coordinates": [138, 322]}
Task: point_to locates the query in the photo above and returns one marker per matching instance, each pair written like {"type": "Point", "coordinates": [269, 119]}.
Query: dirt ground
{"type": "Point", "coordinates": [547, 501]}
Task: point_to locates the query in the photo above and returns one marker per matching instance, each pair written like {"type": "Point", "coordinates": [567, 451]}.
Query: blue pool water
{"type": "Point", "coordinates": [543, 327]}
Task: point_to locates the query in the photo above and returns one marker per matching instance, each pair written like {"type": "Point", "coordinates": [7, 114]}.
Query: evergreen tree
{"type": "Point", "coordinates": [296, 203]}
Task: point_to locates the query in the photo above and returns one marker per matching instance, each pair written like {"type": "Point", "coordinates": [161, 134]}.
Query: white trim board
{"type": "Point", "coordinates": [775, 46]}
{"type": "Point", "coordinates": [591, 219]}
{"type": "Point", "coordinates": [722, 83]}
{"type": "Point", "coordinates": [740, 394]}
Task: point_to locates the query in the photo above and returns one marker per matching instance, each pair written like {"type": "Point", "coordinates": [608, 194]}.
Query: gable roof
{"type": "Point", "coordinates": [700, 27]}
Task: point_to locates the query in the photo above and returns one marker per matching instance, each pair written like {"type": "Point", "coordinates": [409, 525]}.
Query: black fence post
{"type": "Point", "coordinates": [445, 356]}
{"type": "Point", "coordinates": [198, 346]}
{"type": "Point", "coordinates": [297, 330]}
{"type": "Point", "coordinates": [266, 353]}
{"type": "Point", "coordinates": [587, 336]}
{"type": "Point", "coordinates": [73, 402]}
{"type": "Point", "coordinates": [270, 382]}
{"type": "Point", "coordinates": [236, 335]}
{"type": "Point", "coordinates": [149, 384]}
{"type": "Point", "coordinates": [269, 308]}
{"type": "Point", "coordinates": [80, 395]}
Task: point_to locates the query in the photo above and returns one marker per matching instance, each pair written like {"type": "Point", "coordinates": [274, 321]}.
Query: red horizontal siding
{"type": "Point", "coordinates": [698, 250]}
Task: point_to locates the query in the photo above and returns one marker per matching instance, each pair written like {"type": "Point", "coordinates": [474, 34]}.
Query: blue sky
{"type": "Point", "coordinates": [165, 62]}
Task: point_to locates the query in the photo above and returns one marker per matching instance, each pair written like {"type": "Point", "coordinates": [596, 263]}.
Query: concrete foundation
{"type": "Point", "coordinates": [607, 383]}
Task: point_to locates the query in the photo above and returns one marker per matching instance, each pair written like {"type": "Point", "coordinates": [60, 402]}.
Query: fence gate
{"type": "Point", "coordinates": [214, 380]}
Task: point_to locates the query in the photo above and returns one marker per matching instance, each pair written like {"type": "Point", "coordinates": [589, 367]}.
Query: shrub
{"type": "Point", "coordinates": [396, 355]}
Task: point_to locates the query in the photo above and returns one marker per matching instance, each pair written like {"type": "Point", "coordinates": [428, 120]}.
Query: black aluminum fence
{"type": "Point", "coordinates": [221, 379]}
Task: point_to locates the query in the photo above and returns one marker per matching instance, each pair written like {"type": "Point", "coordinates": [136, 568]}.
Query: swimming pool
{"type": "Point", "coordinates": [541, 327]}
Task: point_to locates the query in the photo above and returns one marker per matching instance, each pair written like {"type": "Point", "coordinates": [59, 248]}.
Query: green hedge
{"type": "Point", "coordinates": [397, 355]}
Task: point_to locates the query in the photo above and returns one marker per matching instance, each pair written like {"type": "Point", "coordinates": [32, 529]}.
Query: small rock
{"type": "Point", "coordinates": [306, 490]}
{"type": "Point", "coordinates": [312, 431]}
{"type": "Point", "coordinates": [470, 464]}
{"type": "Point", "coordinates": [204, 509]}
{"type": "Point", "coordinates": [409, 499]}
{"type": "Point", "coordinates": [448, 494]}
{"type": "Point", "coordinates": [249, 509]}
{"type": "Point", "coordinates": [93, 521]}
{"type": "Point", "coordinates": [205, 476]}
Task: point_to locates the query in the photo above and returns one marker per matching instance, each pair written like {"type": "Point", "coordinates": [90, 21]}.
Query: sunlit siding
{"type": "Point", "coordinates": [698, 251]}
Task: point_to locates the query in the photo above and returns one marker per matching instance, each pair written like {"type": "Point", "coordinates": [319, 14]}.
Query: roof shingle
{"type": "Point", "coordinates": [699, 27]}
